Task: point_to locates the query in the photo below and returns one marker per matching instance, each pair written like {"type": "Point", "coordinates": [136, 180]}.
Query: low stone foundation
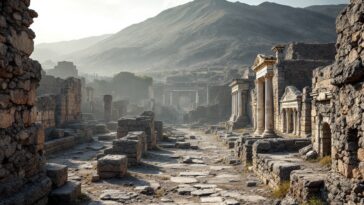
{"type": "Point", "coordinates": [273, 166]}
{"type": "Point", "coordinates": [307, 185]}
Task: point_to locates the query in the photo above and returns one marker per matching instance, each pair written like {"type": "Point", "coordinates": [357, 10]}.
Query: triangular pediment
{"type": "Point", "coordinates": [291, 94]}
{"type": "Point", "coordinates": [262, 60]}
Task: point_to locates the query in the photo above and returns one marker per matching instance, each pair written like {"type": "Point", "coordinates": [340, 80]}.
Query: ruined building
{"type": "Point", "coordinates": [63, 70]}
{"type": "Point", "coordinates": [60, 105]}
{"type": "Point", "coordinates": [338, 92]}
{"type": "Point", "coordinates": [241, 111]}
{"type": "Point", "coordinates": [282, 98]}
{"type": "Point", "coordinates": [22, 177]}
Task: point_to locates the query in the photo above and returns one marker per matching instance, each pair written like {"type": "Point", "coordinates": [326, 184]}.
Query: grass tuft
{"type": "Point", "coordinates": [282, 190]}
{"type": "Point", "coordinates": [326, 161]}
{"type": "Point", "coordinates": [314, 201]}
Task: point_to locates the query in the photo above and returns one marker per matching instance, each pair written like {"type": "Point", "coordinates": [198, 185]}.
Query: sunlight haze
{"type": "Point", "coordinates": [70, 19]}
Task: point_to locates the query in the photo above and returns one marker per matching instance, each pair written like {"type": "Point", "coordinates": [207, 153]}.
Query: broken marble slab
{"type": "Point", "coordinates": [183, 180]}
{"type": "Point", "coordinates": [193, 174]}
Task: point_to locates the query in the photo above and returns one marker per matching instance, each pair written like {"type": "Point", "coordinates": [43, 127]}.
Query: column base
{"type": "Point", "coordinates": [269, 134]}
{"type": "Point", "coordinates": [258, 134]}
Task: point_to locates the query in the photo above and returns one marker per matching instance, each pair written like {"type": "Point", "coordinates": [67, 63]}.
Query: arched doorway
{"type": "Point", "coordinates": [325, 139]}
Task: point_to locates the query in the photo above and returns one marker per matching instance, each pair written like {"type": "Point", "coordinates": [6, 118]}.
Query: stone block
{"type": "Point", "coordinates": [66, 194]}
{"type": "Point", "coordinates": [57, 173]}
{"type": "Point", "coordinates": [112, 166]}
{"type": "Point", "coordinates": [183, 145]}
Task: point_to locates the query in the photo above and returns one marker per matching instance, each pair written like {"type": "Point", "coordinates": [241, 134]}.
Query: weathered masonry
{"type": "Point", "coordinates": [239, 109]}
{"type": "Point", "coordinates": [283, 103]}
{"type": "Point", "coordinates": [22, 176]}
{"type": "Point", "coordinates": [339, 109]}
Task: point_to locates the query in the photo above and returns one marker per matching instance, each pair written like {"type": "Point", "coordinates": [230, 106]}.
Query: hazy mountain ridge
{"type": "Point", "coordinates": [329, 10]}
{"type": "Point", "coordinates": [206, 33]}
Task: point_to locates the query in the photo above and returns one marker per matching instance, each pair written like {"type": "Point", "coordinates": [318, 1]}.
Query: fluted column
{"type": "Point", "coordinates": [294, 122]}
{"type": "Point", "coordinates": [232, 107]}
{"type": "Point", "coordinates": [260, 107]}
{"type": "Point", "coordinates": [269, 121]}
{"type": "Point", "coordinates": [284, 121]}
{"type": "Point", "coordinates": [240, 104]}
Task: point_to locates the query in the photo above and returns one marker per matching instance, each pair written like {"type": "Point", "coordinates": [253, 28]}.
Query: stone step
{"type": "Point", "coordinates": [67, 194]}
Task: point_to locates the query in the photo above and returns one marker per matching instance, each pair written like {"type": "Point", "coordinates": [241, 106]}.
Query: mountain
{"type": "Point", "coordinates": [329, 10]}
{"type": "Point", "coordinates": [205, 33]}
{"type": "Point", "coordinates": [56, 51]}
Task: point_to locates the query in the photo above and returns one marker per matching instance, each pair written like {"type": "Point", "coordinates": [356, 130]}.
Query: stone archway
{"type": "Point", "coordinates": [325, 139]}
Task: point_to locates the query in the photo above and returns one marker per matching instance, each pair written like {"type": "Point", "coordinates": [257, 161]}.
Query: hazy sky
{"type": "Point", "coordinates": [61, 20]}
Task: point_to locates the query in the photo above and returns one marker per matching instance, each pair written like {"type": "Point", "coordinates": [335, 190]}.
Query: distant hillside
{"type": "Point", "coordinates": [329, 10]}
{"type": "Point", "coordinates": [56, 51]}
{"type": "Point", "coordinates": [205, 33]}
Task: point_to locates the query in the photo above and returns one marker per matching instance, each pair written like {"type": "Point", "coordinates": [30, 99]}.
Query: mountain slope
{"type": "Point", "coordinates": [329, 10]}
{"type": "Point", "coordinates": [55, 51]}
{"type": "Point", "coordinates": [205, 33]}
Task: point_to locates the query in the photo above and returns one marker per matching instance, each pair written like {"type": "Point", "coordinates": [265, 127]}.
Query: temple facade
{"type": "Point", "coordinates": [282, 101]}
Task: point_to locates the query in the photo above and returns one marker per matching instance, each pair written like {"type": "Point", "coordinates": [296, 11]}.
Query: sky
{"type": "Point", "coordinates": [61, 20]}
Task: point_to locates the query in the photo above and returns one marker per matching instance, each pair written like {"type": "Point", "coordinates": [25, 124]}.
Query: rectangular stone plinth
{"type": "Point", "coordinates": [112, 166]}
{"type": "Point", "coordinates": [57, 173]}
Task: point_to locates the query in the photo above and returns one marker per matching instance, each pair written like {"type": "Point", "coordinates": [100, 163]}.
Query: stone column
{"type": "Point", "coordinates": [240, 104]}
{"type": "Point", "coordinates": [294, 122]}
{"type": "Point", "coordinates": [233, 115]}
{"type": "Point", "coordinates": [197, 99]}
{"type": "Point", "coordinates": [284, 120]}
{"type": "Point", "coordinates": [269, 121]}
{"type": "Point", "coordinates": [260, 107]}
{"type": "Point", "coordinates": [107, 108]}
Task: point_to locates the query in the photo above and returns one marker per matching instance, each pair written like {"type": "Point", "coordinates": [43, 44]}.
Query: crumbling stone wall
{"type": "Point", "coordinates": [344, 108]}
{"type": "Point", "coordinates": [22, 179]}
{"type": "Point", "coordinates": [59, 101]}
{"type": "Point", "coordinates": [295, 69]}
{"type": "Point", "coordinates": [302, 51]}
{"type": "Point", "coordinates": [46, 110]}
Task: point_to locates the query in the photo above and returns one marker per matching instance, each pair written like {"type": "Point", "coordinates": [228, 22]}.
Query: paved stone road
{"type": "Point", "coordinates": [164, 178]}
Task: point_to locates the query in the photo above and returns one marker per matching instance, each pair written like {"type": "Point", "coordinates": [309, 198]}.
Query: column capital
{"type": "Point", "coordinates": [268, 75]}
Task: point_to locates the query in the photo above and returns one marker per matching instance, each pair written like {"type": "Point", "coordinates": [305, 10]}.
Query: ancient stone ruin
{"type": "Point", "coordinates": [288, 130]}
{"type": "Point", "coordinates": [22, 180]}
